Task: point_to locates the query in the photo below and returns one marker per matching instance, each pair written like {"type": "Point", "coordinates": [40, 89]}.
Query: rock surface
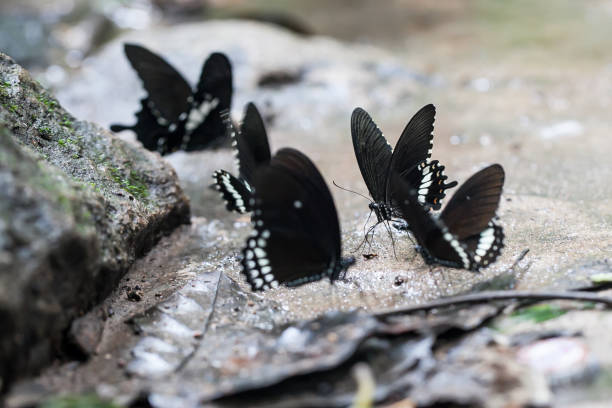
{"type": "Point", "coordinates": [77, 207]}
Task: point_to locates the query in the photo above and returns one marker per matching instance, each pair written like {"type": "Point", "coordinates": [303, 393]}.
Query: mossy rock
{"type": "Point", "coordinates": [77, 207]}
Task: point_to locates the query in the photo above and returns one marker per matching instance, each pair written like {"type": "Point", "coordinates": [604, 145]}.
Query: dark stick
{"type": "Point", "coordinates": [484, 297]}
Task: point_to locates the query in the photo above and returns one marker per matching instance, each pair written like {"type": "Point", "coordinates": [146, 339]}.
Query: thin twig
{"type": "Point", "coordinates": [484, 297]}
{"type": "Point", "coordinates": [213, 305]}
{"type": "Point", "coordinates": [519, 258]}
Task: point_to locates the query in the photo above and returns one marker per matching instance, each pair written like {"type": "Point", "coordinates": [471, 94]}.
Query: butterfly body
{"type": "Point", "coordinates": [466, 235]}
{"type": "Point", "coordinates": [382, 211]}
{"type": "Point", "coordinates": [410, 160]}
{"type": "Point", "coordinates": [174, 116]}
{"type": "Point", "coordinates": [251, 150]}
{"type": "Point", "coordinates": [296, 237]}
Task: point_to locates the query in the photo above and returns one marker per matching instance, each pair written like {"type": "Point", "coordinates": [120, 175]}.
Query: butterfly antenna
{"type": "Point", "coordinates": [351, 191]}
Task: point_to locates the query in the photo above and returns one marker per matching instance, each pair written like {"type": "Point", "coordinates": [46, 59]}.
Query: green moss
{"type": "Point", "coordinates": [136, 186]}
{"type": "Point", "coordinates": [81, 401]}
{"type": "Point", "coordinates": [48, 102]}
{"type": "Point", "coordinates": [64, 142]}
{"type": "Point", "coordinates": [66, 122]}
{"type": "Point", "coordinates": [45, 131]}
{"type": "Point", "coordinates": [539, 313]}
{"type": "Point", "coordinates": [133, 183]}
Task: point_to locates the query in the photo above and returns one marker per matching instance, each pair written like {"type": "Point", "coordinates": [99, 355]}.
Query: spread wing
{"type": "Point", "coordinates": [150, 133]}
{"type": "Point", "coordinates": [252, 147]}
{"type": "Point", "coordinates": [410, 160]}
{"type": "Point", "coordinates": [204, 126]}
{"type": "Point", "coordinates": [168, 91]}
{"type": "Point", "coordinates": [474, 205]}
{"type": "Point", "coordinates": [373, 153]}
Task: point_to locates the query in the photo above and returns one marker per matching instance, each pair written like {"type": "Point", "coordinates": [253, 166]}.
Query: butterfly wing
{"type": "Point", "coordinates": [215, 81]}
{"type": "Point", "coordinates": [475, 203]}
{"type": "Point", "coordinates": [486, 246]}
{"type": "Point", "coordinates": [150, 133]}
{"type": "Point", "coordinates": [251, 146]}
{"type": "Point", "coordinates": [213, 95]}
{"type": "Point", "coordinates": [435, 244]}
{"type": "Point", "coordinates": [470, 214]}
{"type": "Point", "coordinates": [297, 235]}
{"type": "Point", "coordinates": [410, 160]}
{"type": "Point", "coordinates": [235, 193]}
{"type": "Point", "coordinates": [167, 90]}
{"type": "Point", "coordinates": [254, 132]}
{"type": "Point", "coordinates": [372, 151]}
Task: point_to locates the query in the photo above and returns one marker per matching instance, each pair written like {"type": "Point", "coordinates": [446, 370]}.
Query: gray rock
{"type": "Point", "coordinates": [77, 207]}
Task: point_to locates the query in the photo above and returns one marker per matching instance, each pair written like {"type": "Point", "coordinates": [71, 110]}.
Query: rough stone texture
{"type": "Point", "coordinates": [77, 207]}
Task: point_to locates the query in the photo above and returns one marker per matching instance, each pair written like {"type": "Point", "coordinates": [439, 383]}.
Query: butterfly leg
{"type": "Point", "coordinates": [371, 232]}
{"type": "Point", "coordinates": [388, 227]}
{"type": "Point", "coordinates": [365, 234]}
{"type": "Point", "coordinates": [404, 227]}
{"type": "Point", "coordinates": [365, 239]}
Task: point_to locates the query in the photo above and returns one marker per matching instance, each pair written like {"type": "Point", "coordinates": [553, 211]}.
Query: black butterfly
{"type": "Point", "coordinates": [466, 234]}
{"type": "Point", "coordinates": [296, 239]}
{"type": "Point", "coordinates": [251, 149]}
{"type": "Point", "coordinates": [172, 115]}
{"type": "Point", "coordinates": [409, 159]}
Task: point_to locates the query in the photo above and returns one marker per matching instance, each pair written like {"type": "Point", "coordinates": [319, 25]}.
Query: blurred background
{"type": "Point", "coordinates": [53, 37]}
